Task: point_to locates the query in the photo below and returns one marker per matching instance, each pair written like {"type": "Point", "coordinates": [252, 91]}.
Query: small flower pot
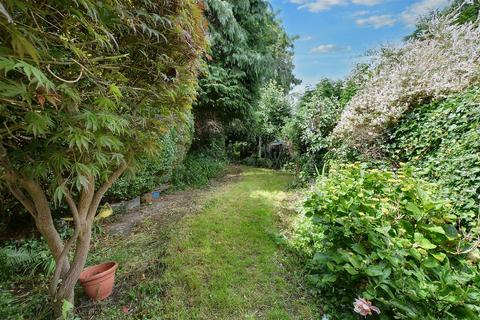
{"type": "Point", "coordinates": [97, 281]}
{"type": "Point", "coordinates": [147, 198]}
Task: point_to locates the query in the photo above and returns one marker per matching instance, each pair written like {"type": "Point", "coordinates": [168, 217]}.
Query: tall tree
{"type": "Point", "coordinates": [87, 87]}
{"type": "Point", "coordinates": [273, 110]}
{"type": "Point", "coordinates": [248, 48]}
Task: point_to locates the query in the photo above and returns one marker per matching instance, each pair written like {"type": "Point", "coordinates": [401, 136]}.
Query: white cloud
{"type": "Point", "coordinates": [298, 1]}
{"type": "Point", "coordinates": [377, 21]}
{"type": "Point", "coordinates": [360, 13]}
{"type": "Point", "coordinates": [323, 5]}
{"type": "Point", "coordinates": [329, 48]}
{"type": "Point", "coordinates": [411, 15]}
{"type": "Point", "coordinates": [305, 38]}
{"type": "Point", "coordinates": [368, 2]}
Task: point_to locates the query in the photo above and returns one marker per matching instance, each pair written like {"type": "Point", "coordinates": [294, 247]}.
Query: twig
{"type": "Point", "coordinates": [67, 81]}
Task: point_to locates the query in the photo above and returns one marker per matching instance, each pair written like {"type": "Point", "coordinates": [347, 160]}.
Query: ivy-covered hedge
{"type": "Point", "coordinates": [387, 237]}
{"type": "Point", "coordinates": [442, 141]}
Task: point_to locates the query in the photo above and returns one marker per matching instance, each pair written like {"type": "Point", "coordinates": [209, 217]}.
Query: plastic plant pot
{"type": "Point", "coordinates": [97, 281]}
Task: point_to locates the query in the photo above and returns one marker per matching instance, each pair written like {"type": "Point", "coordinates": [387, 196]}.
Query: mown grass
{"type": "Point", "coordinates": [222, 263]}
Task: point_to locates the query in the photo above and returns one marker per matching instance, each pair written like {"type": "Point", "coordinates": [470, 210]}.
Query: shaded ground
{"type": "Point", "coordinates": [205, 254]}
{"type": "Point", "coordinates": [171, 207]}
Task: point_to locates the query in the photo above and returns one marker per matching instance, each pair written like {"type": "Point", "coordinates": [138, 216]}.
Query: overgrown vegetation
{"type": "Point", "coordinates": [248, 48]}
{"type": "Point", "coordinates": [388, 238]}
{"type": "Point", "coordinates": [87, 89]}
{"type": "Point", "coordinates": [150, 173]}
{"type": "Point", "coordinates": [95, 105]}
{"type": "Point", "coordinates": [197, 170]}
{"type": "Point", "coordinates": [441, 141]}
{"type": "Point", "coordinates": [398, 233]}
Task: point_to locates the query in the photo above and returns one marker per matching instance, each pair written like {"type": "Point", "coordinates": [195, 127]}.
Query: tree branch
{"type": "Point", "coordinates": [66, 81]}
{"type": "Point", "coordinates": [27, 203]}
{"type": "Point", "coordinates": [86, 197]}
{"type": "Point", "coordinates": [36, 202]}
{"type": "Point", "coordinates": [101, 191]}
{"type": "Point", "coordinates": [72, 205]}
{"type": "Point", "coordinates": [62, 260]}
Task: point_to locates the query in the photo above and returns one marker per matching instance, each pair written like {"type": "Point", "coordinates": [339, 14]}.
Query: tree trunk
{"type": "Point", "coordinates": [47, 229]}
{"type": "Point", "coordinates": [31, 195]}
{"type": "Point", "coordinates": [66, 289]}
{"type": "Point", "coordinates": [260, 147]}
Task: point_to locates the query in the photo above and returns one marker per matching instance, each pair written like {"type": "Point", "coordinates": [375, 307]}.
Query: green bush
{"type": "Point", "coordinates": [151, 173]}
{"type": "Point", "coordinates": [442, 141]}
{"type": "Point", "coordinates": [386, 237]}
{"type": "Point", "coordinates": [8, 309]}
{"type": "Point", "coordinates": [197, 170]}
{"type": "Point", "coordinates": [255, 161]}
{"type": "Point", "coordinates": [25, 257]}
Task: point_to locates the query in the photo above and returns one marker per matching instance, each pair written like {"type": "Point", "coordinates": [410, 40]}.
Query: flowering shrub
{"type": "Point", "coordinates": [386, 237]}
{"type": "Point", "coordinates": [444, 60]}
{"type": "Point", "coordinates": [364, 307]}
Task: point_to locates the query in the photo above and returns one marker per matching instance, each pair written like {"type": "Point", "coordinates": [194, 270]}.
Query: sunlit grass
{"type": "Point", "coordinates": [225, 263]}
{"type": "Point", "coordinates": [222, 263]}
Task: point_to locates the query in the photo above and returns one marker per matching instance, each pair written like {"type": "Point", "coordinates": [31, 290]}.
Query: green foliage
{"type": "Point", "coordinates": [197, 170]}
{"type": "Point", "coordinates": [387, 237]}
{"type": "Point", "coordinates": [78, 103]}
{"type": "Point", "coordinates": [442, 141]}
{"type": "Point", "coordinates": [8, 309]}
{"type": "Point", "coordinates": [27, 257]}
{"type": "Point", "coordinates": [150, 173]}
{"type": "Point", "coordinates": [315, 116]}
{"type": "Point", "coordinates": [248, 48]}
{"type": "Point", "coordinates": [273, 111]}
{"type": "Point", "coordinates": [67, 311]}
{"type": "Point", "coordinates": [254, 161]}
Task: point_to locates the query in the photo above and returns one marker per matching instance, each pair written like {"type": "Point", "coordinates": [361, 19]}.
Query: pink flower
{"type": "Point", "coordinates": [364, 307]}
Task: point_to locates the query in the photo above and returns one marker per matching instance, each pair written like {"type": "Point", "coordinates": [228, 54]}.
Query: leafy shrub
{"type": "Point", "coordinates": [316, 115]}
{"type": "Point", "coordinates": [254, 161]}
{"type": "Point", "coordinates": [27, 256]}
{"type": "Point", "coordinates": [197, 170]}
{"type": "Point", "coordinates": [386, 237]}
{"type": "Point", "coordinates": [8, 309]}
{"type": "Point", "coordinates": [150, 173]}
{"type": "Point", "coordinates": [436, 64]}
{"type": "Point", "coordinates": [442, 141]}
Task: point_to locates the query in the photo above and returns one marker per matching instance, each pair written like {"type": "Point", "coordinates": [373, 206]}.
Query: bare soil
{"type": "Point", "coordinates": [170, 207]}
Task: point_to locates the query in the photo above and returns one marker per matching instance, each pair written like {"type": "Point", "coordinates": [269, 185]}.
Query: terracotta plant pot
{"type": "Point", "coordinates": [147, 197]}
{"type": "Point", "coordinates": [97, 281]}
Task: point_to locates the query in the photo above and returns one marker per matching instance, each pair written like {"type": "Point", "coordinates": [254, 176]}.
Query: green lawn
{"type": "Point", "coordinates": [221, 263]}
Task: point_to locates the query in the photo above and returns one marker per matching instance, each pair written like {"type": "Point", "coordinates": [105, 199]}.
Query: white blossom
{"type": "Point", "coordinates": [442, 61]}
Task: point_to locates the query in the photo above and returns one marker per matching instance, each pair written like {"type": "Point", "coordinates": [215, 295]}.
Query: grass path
{"type": "Point", "coordinates": [221, 263]}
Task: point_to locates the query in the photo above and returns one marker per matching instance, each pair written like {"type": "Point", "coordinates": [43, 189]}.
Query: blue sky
{"type": "Point", "coordinates": [335, 34]}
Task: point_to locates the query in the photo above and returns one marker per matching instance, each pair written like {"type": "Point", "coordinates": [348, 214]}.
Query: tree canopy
{"type": "Point", "coordinates": [86, 88]}
{"type": "Point", "coordinates": [248, 48]}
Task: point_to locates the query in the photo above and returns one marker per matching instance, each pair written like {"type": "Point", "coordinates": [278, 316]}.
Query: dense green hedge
{"type": "Point", "coordinates": [442, 141]}
{"type": "Point", "coordinates": [197, 170]}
